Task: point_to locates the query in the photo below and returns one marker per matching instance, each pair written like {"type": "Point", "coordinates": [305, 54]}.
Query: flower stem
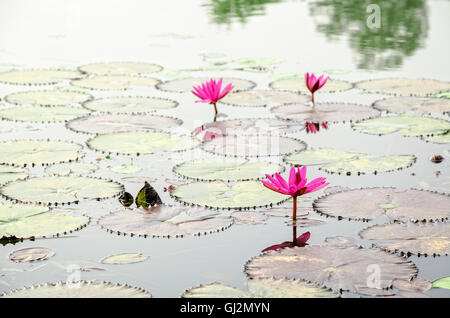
{"type": "Point", "coordinates": [312, 99]}
{"type": "Point", "coordinates": [294, 221]}
{"type": "Point", "coordinates": [294, 209]}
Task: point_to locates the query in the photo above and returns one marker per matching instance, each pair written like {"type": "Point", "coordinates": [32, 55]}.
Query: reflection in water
{"type": "Point", "coordinates": [403, 29]}
{"type": "Point", "coordinates": [226, 11]}
{"type": "Point", "coordinates": [315, 127]}
{"type": "Point", "coordinates": [296, 241]}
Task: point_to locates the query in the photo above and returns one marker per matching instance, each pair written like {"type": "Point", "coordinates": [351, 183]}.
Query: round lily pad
{"type": "Point", "coordinates": [124, 258]}
{"type": "Point", "coordinates": [186, 84]}
{"type": "Point", "coordinates": [29, 152]}
{"type": "Point", "coordinates": [341, 241]}
{"type": "Point", "coordinates": [141, 142]}
{"type": "Point", "coordinates": [226, 169]}
{"type": "Point", "coordinates": [253, 126]}
{"type": "Point", "coordinates": [47, 98]}
{"type": "Point", "coordinates": [413, 105]}
{"type": "Point", "coordinates": [126, 169]}
{"type": "Point", "coordinates": [298, 84]}
{"type": "Point", "coordinates": [404, 86]}
{"type": "Point", "coordinates": [263, 98]}
{"type": "Point", "coordinates": [110, 123]}
{"type": "Point", "coordinates": [409, 126]}
{"type": "Point", "coordinates": [130, 104]}
{"type": "Point", "coordinates": [166, 221]}
{"type": "Point", "coordinates": [25, 221]}
{"type": "Point", "coordinates": [248, 217]}
{"type": "Point", "coordinates": [439, 139]}
{"type": "Point", "coordinates": [217, 194]}
{"type": "Point", "coordinates": [60, 189]}
{"type": "Point", "coordinates": [324, 112]}
{"type": "Point", "coordinates": [80, 289]}
{"type": "Point", "coordinates": [336, 268]}
{"type": "Point", "coordinates": [114, 82]}
{"type": "Point", "coordinates": [215, 290]}
{"type": "Point", "coordinates": [37, 77]}
{"type": "Point", "coordinates": [8, 174]}
{"type": "Point", "coordinates": [368, 204]}
{"type": "Point", "coordinates": [42, 114]}
{"type": "Point", "coordinates": [335, 161]}
{"type": "Point", "coordinates": [414, 238]}
{"type": "Point", "coordinates": [120, 68]}
{"type": "Point", "coordinates": [443, 282]}
{"type": "Point", "coordinates": [253, 146]}
{"type": "Point", "coordinates": [415, 285]}
{"type": "Point", "coordinates": [31, 254]}
{"type": "Point", "coordinates": [71, 168]}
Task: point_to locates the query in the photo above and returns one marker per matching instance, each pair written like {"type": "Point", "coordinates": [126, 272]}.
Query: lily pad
{"type": "Point", "coordinates": [47, 98]}
{"type": "Point", "coordinates": [186, 84]}
{"type": "Point", "coordinates": [442, 95]}
{"type": "Point", "coordinates": [60, 189]}
{"type": "Point", "coordinates": [336, 268]}
{"type": "Point", "coordinates": [110, 123]}
{"type": "Point", "coordinates": [298, 84]}
{"type": "Point", "coordinates": [215, 290]}
{"type": "Point", "coordinates": [335, 161]}
{"type": "Point", "coordinates": [248, 217]}
{"type": "Point", "coordinates": [263, 98]}
{"type": "Point", "coordinates": [126, 169]}
{"type": "Point", "coordinates": [8, 174]}
{"type": "Point", "coordinates": [130, 104]}
{"type": "Point", "coordinates": [217, 194]}
{"type": "Point", "coordinates": [253, 146]}
{"type": "Point", "coordinates": [253, 126]}
{"type": "Point", "coordinates": [439, 139]}
{"type": "Point", "coordinates": [71, 168]}
{"type": "Point", "coordinates": [114, 82]}
{"type": "Point", "coordinates": [166, 221]}
{"type": "Point", "coordinates": [141, 142]}
{"type": "Point", "coordinates": [413, 105]}
{"type": "Point", "coordinates": [443, 282]}
{"type": "Point", "coordinates": [125, 258]}
{"type": "Point", "coordinates": [80, 289]}
{"type": "Point", "coordinates": [324, 112]}
{"type": "Point", "coordinates": [42, 114]}
{"type": "Point", "coordinates": [305, 222]}
{"type": "Point", "coordinates": [341, 241]}
{"type": "Point", "coordinates": [24, 221]}
{"type": "Point", "coordinates": [416, 285]}
{"type": "Point", "coordinates": [404, 86]}
{"type": "Point", "coordinates": [409, 126]}
{"type": "Point", "coordinates": [37, 77]}
{"type": "Point", "coordinates": [367, 204]}
{"type": "Point", "coordinates": [414, 238]}
{"type": "Point", "coordinates": [120, 68]}
{"type": "Point", "coordinates": [29, 152]}
{"type": "Point", "coordinates": [31, 254]}
{"type": "Point", "coordinates": [226, 169]}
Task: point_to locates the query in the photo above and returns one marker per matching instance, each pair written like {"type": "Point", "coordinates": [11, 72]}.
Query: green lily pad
{"type": "Point", "coordinates": [24, 221]}
{"type": "Point", "coordinates": [141, 142]}
{"type": "Point", "coordinates": [47, 98]}
{"type": "Point", "coordinates": [253, 126]}
{"type": "Point", "coordinates": [28, 152]}
{"type": "Point", "coordinates": [226, 169]}
{"type": "Point", "coordinates": [42, 114]}
{"type": "Point", "coordinates": [8, 174]}
{"type": "Point", "coordinates": [60, 189]}
{"type": "Point", "coordinates": [439, 139]}
{"type": "Point", "coordinates": [80, 289]}
{"type": "Point", "coordinates": [114, 82]}
{"type": "Point", "coordinates": [413, 105]}
{"type": "Point", "coordinates": [409, 126]}
{"type": "Point", "coordinates": [242, 194]}
{"type": "Point", "coordinates": [130, 104]}
{"type": "Point", "coordinates": [126, 169]}
{"type": "Point", "coordinates": [443, 282]}
{"type": "Point", "coordinates": [186, 84]}
{"type": "Point", "coordinates": [404, 86]}
{"type": "Point", "coordinates": [71, 168]}
{"type": "Point", "coordinates": [334, 161]}
{"type": "Point", "coordinates": [31, 254]}
{"type": "Point", "coordinates": [37, 77]}
{"type": "Point", "coordinates": [443, 95]}
{"type": "Point", "coordinates": [263, 98]}
{"type": "Point", "coordinates": [298, 84]}
{"type": "Point", "coordinates": [120, 68]}
{"type": "Point", "coordinates": [125, 258]}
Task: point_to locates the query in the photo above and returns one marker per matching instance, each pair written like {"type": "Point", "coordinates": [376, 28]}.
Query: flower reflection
{"type": "Point", "coordinates": [312, 128]}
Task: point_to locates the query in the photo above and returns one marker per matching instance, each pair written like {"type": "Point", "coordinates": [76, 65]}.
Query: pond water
{"type": "Point", "coordinates": [208, 38]}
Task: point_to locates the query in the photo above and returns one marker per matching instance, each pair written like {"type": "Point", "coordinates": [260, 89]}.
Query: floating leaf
{"type": "Point", "coordinates": [242, 194]}
{"type": "Point", "coordinates": [47, 98]}
{"type": "Point", "coordinates": [336, 268]}
{"type": "Point", "coordinates": [409, 126]}
{"type": "Point", "coordinates": [28, 152]}
{"type": "Point", "coordinates": [248, 217]}
{"type": "Point", "coordinates": [414, 238]}
{"type": "Point", "coordinates": [298, 84]}
{"type": "Point", "coordinates": [367, 204]}
{"type": "Point", "coordinates": [263, 98]}
{"type": "Point", "coordinates": [147, 197]}
{"type": "Point", "coordinates": [120, 68]}
{"type": "Point", "coordinates": [439, 139]}
{"type": "Point", "coordinates": [215, 290]}
{"type": "Point", "coordinates": [413, 105]}
{"type": "Point", "coordinates": [42, 114]}
{"type": "Point", "coordinates": [60, 189]}
{"type": "Point", "coordinates": [74, 168]}
{"type": "Point", "coordinates": [324, 112]}
{"type": "Point", "coordinates": [103, 124]}
{"type": "Point", "coordinates": [141, 142]}
{"type": "Point", "coordinates": [443, 95]}
{"type": "Point", "coordinates": [23, 221]}
{"type": "Point", "coordinates": [114, 82]}
{"type": "Point", "coordinates": [226, 169]}
{"type": "Point", "coordinates": [335, 161]}
{"type": "Point", "coordinates": [80, 289]}
{"type": "Point", "coordinates": [126, 169]}
{"type": "Point", "coordinates": [185, 84]}
{"type": "Point", "coordinates": [130, 104]}
{"type": "Point", "coordinates": [368, 291]}
{"type": "Point", "coordinates": [415, 285]}
{"type": "Point", "coordinates": [443, 282]}
{"type": "Point", "coordinates": [305, 222]}
{"type": "Point", "coordinates": [252, 126]}
{"type": "Point", "coordinates": [341, 241]}
{"type": "Point", "coordinates": [166, 221]}
{"type": "Point", "coordinates": [31, 254]}
{"type": "Point", "coordinates": [37, 77]}
{"type": "Point", "coordinates": [125, 258]}
{"type": "Point", "coordinates": [404, 86]}
{"type": "Point", "coordinates": [8, 174]}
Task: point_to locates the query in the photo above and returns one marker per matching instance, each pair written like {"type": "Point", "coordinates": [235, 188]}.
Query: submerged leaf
{"type": "Point", "coordinates": [125, 258]}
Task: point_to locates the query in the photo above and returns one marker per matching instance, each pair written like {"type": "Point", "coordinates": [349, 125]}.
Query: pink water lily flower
{"type": "Point", "coordinates": [313, 83]}
{"type": "Point", "coordinates": [211, 92]}
{"type": "Point", "coordinates": [300, 241]}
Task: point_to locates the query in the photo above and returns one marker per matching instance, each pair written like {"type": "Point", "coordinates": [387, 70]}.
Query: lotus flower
{"type": "Point", "coordinates": [300, 241]}
{"type": "Point", "coordinates": [313, 83]}
{"type": "Point", "coordinates": [211, 92]}
{"type": "Point", "coordinates": [314, 127]}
